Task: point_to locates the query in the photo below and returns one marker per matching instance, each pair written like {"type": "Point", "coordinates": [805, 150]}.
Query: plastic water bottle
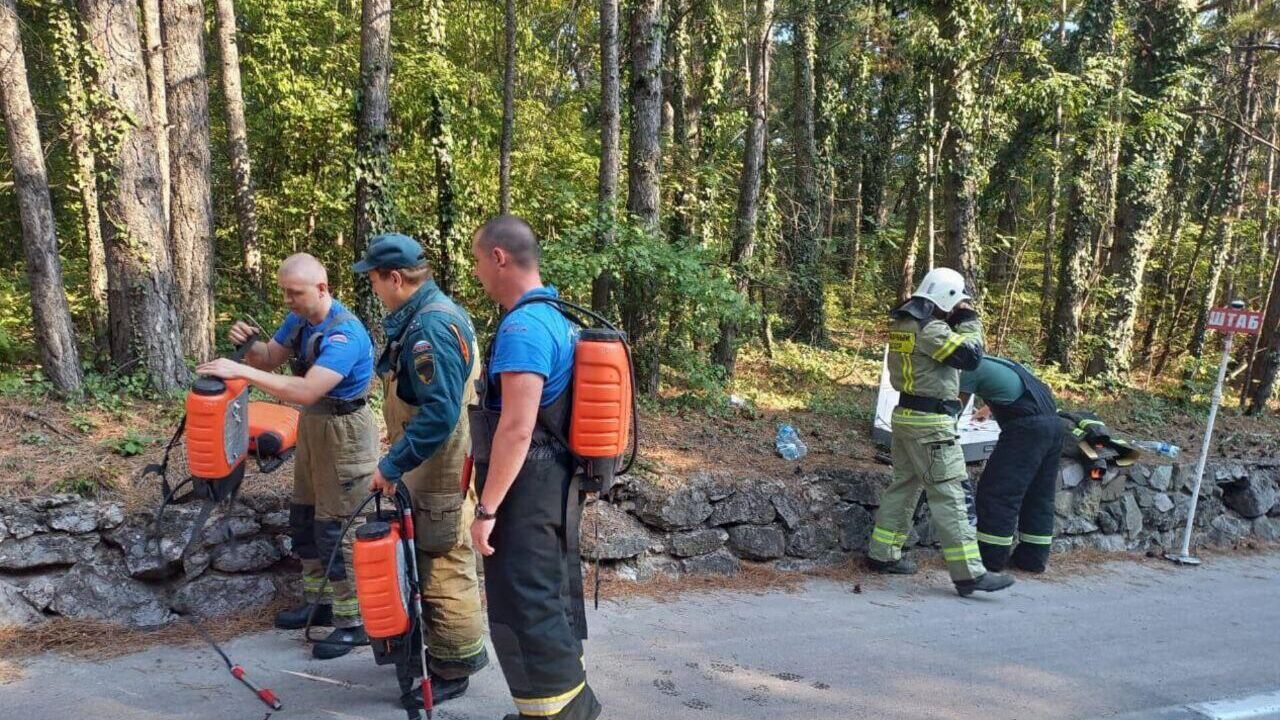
{"type": "Point", "coordinates": [789, 444]}
{"type": "Point", "coordinates": [1159, 447]}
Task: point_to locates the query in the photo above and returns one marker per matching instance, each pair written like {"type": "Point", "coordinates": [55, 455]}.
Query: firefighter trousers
{"type": "Point", "coordinates": [1016, 493]}
{"type": "Point", "coordinates": [927, 457]}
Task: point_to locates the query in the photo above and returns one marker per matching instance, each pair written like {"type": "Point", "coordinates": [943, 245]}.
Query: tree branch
{"type": "Point", "coordinates": [1251, 132]}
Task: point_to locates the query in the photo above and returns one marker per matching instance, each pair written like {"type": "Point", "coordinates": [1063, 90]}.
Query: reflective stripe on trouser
{"type": "Point", "coordinates": [336, 456]}
{"type": "Point", "coordinates": [1016, 489]}
{"type": "Point", "coordinates": [443, 513]}
{"type": "Point", "coordinates": [533, 584]}
{"type": "Point", "coordinates": [927, 457]}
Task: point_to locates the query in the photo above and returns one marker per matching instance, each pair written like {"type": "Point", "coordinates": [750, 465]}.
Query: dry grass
{"type": "Point", "coordinates": [97, 639]}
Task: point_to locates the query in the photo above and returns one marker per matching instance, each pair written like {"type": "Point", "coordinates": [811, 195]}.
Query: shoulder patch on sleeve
{"type": "Point", "coordinates": [422, 346]}
{"type": "Point", "coordinates": [338, 338]}
{"type": "Point", "coordinates": [425, 365]}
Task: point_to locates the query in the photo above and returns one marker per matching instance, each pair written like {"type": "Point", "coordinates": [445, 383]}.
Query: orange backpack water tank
{"type": "Point", "coordinates": [273, 428]}
{"type": "Point", "coordinates": [217, 427]}
{"type": "Point", "coordinates": [382, 580]}
{"type": "Point", "coordinates": [600, 423]}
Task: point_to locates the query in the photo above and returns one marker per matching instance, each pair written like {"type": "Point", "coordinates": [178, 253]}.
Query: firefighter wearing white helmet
{"type": "Point", "coordinates": [932, 337]}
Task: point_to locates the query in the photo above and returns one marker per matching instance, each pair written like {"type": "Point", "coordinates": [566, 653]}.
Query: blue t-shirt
{"type": "Point", "coordinates": [345, 349]}
{"type": "Point", "coordinates": [536, 338]}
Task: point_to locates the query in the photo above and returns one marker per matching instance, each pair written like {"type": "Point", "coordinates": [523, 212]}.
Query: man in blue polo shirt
{"type": "Point", "coordinates": [530, 508]}
{"type": "Point", "coordinates": [331, 357]}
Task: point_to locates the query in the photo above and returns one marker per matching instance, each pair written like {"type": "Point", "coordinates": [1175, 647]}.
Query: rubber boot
{"type": "Point", "coordinates": [583, 707]}
{"type": "Point", "coordinates": [339, 643]}
{"type": "Point", "coordinates": [986, 582]}
{"type": "Point", "coordinates": [902, 566]}
{"type": "Point", "coordinates": [441, 691]}
{"type": "Point", "coordinates": [296, 618]}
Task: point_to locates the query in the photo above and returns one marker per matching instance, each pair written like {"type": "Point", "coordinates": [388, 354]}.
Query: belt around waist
{"type": "Point", "coordinates": [334, 406]}
{"type": "Point", "coordinates": [920, 403]}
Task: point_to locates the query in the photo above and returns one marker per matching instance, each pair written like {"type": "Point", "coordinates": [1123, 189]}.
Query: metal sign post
{"type": "Point", "coordinates": [1230, 320]}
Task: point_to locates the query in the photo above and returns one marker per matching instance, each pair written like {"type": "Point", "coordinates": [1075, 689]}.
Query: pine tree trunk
{"type": "Point", "coordinates": [1163, 35]}
{"type": "Point", "coordinates": [809, 312]}
{"type": "Point", "coordinates": [910, 240]}
{"type": "Point", "coordinates": [69, 61]}
{"type": "Point", "coordinates": [238, 142]}
{"type": "Point", "coordinates": [440, 131]}
{"type": "Point", "coordinates": [508, 107]}
{"type": "Point", "coordinates": [643, 193]}
{"type": "Point", "coordinates": [144, 326]}
{"type": "Point", "coordinates": [959, 191]}
{"type": "Point", "coordinates": [1052, 193]}
{"type": "Point", "coordinates": [190, 205]}
{"type": "Point", "coordinates": [1237, 164]}
{"type": "Point", "coordinates": [374, 208]}
{"type": "Point", "coordinates": [681, 178]}
{"type": "Point", "coordinates": [156, 92]}
{"type": "Point", "coordinates": [610, 132]}
{"type": "Point", "coordinates": [1073, 270]}
{"type": "Point", "coordinates": [759, 48]}
{"type": "Point", "coordinates": [54, 332]}
{"type": "Point", "coordinates": [1267, 232]}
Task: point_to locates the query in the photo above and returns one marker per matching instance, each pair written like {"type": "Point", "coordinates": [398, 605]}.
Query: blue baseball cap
{"type": "Point", "coordinates": [390, 251]}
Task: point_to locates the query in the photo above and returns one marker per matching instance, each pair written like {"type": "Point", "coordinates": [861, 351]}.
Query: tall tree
{"type": "Point", "coordinates": [55, 335]}
{"type": "Point", "coordinates": [440, 132]}
{"type": "Point", "coordinates": [1162, 35]}
{"type": "Point", "coordinates": [1053, 190]}
{"type": "Point", "coordinates": [145, 330]}
{"type": "Point", "coordinates": [680, 179]}
{"type": "Point", "coordinates": [643, 193]}
{"type": "Point", "coordinates": [153, 47]}
{"type": "Point", "coordinates": [957, 21]}
{"type": "Point", "coordinates": [69, 60]}
{"type": "Point", "coordinates": [610, 134]}
{"type": "Point", "coordinates": [374, 207]}
{"type": "Point", "coordinates": [759, 51]}
{"type": "Point", "coordinates": [1092, 48]}
{"type": "Point", "coordinates": [190, 205]}
{"type": "Point", "coordinates": [238, 142]}
{"type": "Point", "coordinates": [508, 107]}
{"type": "Point", "coordinates": [809, 314]}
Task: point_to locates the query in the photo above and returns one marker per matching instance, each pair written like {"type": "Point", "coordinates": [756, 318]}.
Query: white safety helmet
{"type": "Point", "coordinates": [943, 286]}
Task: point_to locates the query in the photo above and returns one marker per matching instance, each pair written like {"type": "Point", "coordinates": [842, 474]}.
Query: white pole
{"type": "Point", "coordinates": [1184, 556]}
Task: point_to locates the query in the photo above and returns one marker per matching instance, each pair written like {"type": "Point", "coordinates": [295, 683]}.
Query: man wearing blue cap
{"type": "Point", "coordinates": [428, 370]}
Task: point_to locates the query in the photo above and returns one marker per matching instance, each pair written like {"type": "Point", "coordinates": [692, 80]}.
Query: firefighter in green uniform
{"type": "Point", "coordinates": [428, 371]}
{"type": "Point", "coordinates": [932, 337]}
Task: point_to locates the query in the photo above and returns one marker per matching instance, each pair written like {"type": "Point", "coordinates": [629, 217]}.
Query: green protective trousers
{"type": "Point", "coordinates": [927, 457]}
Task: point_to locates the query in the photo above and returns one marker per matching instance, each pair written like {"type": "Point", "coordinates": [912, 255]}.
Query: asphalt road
{"type": "Point", "coordinates": [1132, 640]}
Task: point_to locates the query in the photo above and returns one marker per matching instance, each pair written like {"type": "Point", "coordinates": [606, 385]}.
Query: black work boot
{"type": "Point", "coordinates": [296, 618]}
{"type": "Point", "coordinates": [339, 643]}
{"type": "Point", "coordinates": [441, 691]}
{"type": "Point", "coordinates": [986, 582]}
{"type": "Point", "coordinates": [902, 566]}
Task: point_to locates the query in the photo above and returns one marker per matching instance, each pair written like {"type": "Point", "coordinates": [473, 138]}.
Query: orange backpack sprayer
{"type": "Point", "coordinates": [222, 429]}
{"type": "Point", "coordinates": [603, 418]}
{"type": "Point", "coordinates": [388, 589]}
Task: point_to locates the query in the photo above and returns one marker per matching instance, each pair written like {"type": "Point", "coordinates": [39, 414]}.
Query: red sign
{"type": "Point", "coordinates": [1230, 320]}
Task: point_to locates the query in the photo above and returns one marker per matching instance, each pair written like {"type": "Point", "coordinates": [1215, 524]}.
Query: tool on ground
{"type": "Point", "coordinates": [237, 672]}
{"type": "Point", "coordinates": [222, 429]}
{"type": "Point", "coordinates": [388, 588]}
{"type": "Point", "coordinates": [1229, 320]}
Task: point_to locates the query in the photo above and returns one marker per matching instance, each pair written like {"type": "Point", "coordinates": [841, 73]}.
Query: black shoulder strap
{"type": "Point", "coordinates": [317, 335]}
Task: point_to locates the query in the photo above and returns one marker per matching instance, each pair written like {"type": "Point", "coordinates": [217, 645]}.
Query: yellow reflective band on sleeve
{"type": "Point", "coordinates": [995, 539]}
{"type": "Point", "coordinates": [1035, 539]}
{"type": "Point", "coordinates": [346, 608]}
{"type": "Point", "coordinates": [953, 341]}
{"type": "Point", "coordinates": [908, 374]}
{"type": "Point", "coordinates": [968, 551]}
{"type": "Point", "coordinates": [548, 706]}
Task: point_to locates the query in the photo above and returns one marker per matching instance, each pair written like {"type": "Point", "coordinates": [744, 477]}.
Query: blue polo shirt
{"type": "Point", "coordinates": [536, 338]}
{"type": "Point", "coordinates": [345, 349]}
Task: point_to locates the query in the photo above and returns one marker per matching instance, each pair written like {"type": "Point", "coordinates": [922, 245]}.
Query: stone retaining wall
{"type": "Point", "coordinates": [63, 555]}
{"type": "Point", "coordinates": [714, 522]}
